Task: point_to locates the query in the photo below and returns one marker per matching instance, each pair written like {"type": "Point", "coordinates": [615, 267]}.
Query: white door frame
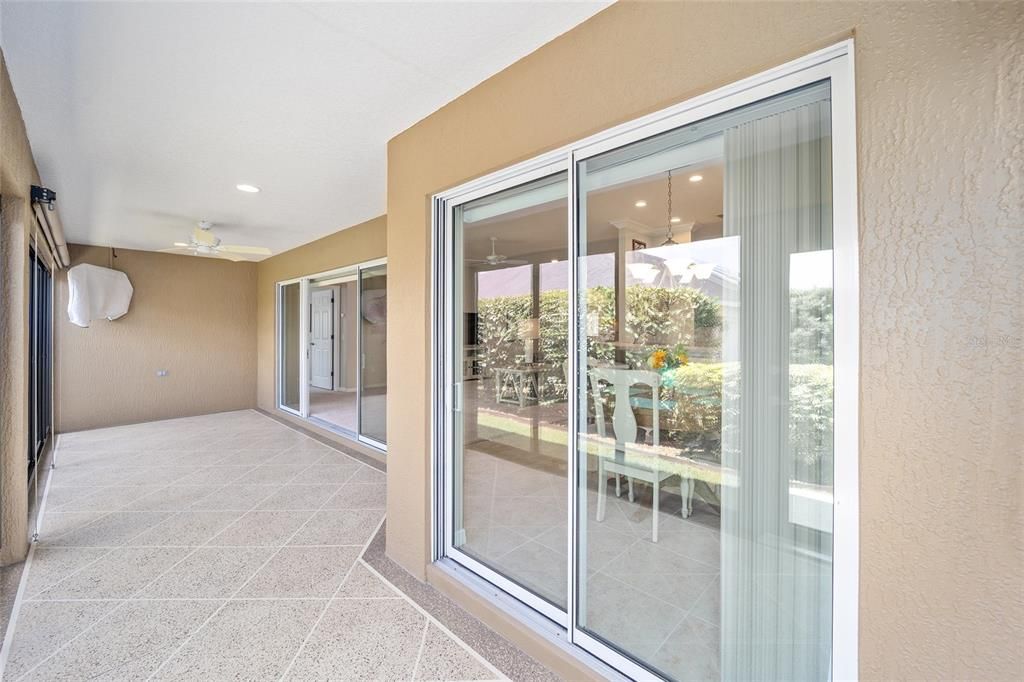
{"type": "Point", "coordinates": [834, 63]}
{"type": "Point", "coordinates": [304, 283]}
{"type": "Point", "coordinates": [340, 339]}
{"type": "Point", "coordinates": [334, 340]}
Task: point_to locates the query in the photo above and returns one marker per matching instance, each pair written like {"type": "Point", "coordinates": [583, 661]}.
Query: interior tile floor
{"type": "Point", "coordinates": [339, 408]}
{"type": "Point", "coordinates": [219, 547]}
{"type": "Point", "coordinates": [658, 600]}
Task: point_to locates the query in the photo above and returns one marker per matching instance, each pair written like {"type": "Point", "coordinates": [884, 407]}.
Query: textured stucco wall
{"type": "Point", "coordinates": [356, 244]}
{"type": "Point", "coordinates": [193, 316]}
{"type": "Point", "coordinates": [940, 146]}
{"type": "Point", "coordinates": [17, 174]}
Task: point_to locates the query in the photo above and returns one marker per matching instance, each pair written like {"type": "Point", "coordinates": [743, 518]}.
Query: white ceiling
{"type": "Point", "coordinates": [143, 116]}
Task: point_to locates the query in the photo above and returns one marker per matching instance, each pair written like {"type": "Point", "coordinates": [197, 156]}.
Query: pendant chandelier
{"type": "Point", "coordinates": [669, 241]}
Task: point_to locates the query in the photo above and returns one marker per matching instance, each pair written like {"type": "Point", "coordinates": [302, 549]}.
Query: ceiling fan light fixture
{"type": "Point", "coordinates": [251, 189]}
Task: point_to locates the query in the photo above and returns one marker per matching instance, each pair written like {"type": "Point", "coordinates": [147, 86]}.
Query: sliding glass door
{"type": "Point", "coordinates": [710, 393]}
{"type": "Point", "coordinates": [289, 343]}
{"type": "Point", "coordinates": [373, 367]}
{"type": "Point", "coordinates": [332, 350]}
{"type": "Point", "coordinates": [642, 359]}
{"type": "Point", "coordinates": [509, 357]}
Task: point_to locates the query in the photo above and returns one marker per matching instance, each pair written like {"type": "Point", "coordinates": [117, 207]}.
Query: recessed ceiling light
{"type": "Point", "coordinates": [640, 204]}
{"type": "Point", "coordinates": [696, 178]}
{"type": "Point", "coordinates": [252, 189]}
{"type": "Point", "coordinates": [676, 219]}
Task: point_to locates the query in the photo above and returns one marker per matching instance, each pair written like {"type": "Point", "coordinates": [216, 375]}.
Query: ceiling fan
{"type": "Point", "coordinates": [496, 258]}
{"type": "Point", "coordinates": [204, 243]}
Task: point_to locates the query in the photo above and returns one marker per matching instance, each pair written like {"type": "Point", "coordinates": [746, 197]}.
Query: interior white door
{"type": "Point", "coordinates": [321, 338]}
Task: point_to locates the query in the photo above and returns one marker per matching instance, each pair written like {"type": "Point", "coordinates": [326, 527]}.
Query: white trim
{"type": "Point", "coordinates": [337, 271]}
{"type": "Point", "coordinates": [19, 599]}
{"type": "Point", "coordinates": [305, 284]}
{"type": "Point", "coordinates": [304, 304]}
{"type": "Point", "coordinates": [507, 586]}
{"type": "Point", "coordinates": [430, 617]}
{"type": "Point", "coordinates": [846, 352]}
{"type": "Point", "coordinates": [533, 170]}
{"type": "Point", "coordinates": [834, 63]}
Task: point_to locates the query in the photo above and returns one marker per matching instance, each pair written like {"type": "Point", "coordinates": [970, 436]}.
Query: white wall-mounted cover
{"type": "Point", "coordinates": [97, 293]}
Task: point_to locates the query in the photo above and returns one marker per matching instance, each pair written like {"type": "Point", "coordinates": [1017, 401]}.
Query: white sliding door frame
{"type": "Point", "coordinates": [536, 169]}
{"type": "Point", "coordinates": [833, 64]}
{"type": "Point", "coordinates": [279, 374]}
{"type": "Point", "coordinates": [305, 283]}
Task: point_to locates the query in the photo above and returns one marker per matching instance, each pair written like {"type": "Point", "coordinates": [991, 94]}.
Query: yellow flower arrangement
{"type": "Point", "coordinates": [664, 358]}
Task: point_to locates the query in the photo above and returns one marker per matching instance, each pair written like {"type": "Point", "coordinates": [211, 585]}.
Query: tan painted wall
{"type": "Point", "coordinates": [194, 317]}
{"type": "Point", "coordinates": [17, 174]}
{"type": "Point", "coordinates": [362, 242]}
{"type": "Point", "coordinates": [939, 93]}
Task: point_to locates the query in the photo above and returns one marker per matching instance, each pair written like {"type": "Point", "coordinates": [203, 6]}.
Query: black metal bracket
{"type": "Point", "coordinates": [43, 195]}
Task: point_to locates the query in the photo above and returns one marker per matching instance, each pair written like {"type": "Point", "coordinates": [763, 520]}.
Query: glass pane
{"type": "Point", "coordinates": [511, 319]}
{"type": "Point", "coordinates": [705, 355]}
{"type": "Point", "coordinates": [290, 351]}
{"type": "Point", "coordinates": [373, 324]}
{"type": "Point", "coordinates": [333, 349]}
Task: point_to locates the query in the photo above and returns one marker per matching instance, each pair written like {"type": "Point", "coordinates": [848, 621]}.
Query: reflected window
{"type": "Point", "coordinates": [513, 315]}
{"type": "Point", "coordinates": [705, 492]}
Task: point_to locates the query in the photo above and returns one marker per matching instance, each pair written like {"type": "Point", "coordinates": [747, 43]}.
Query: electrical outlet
{"type": "Point", "coordinates": [162, 372]}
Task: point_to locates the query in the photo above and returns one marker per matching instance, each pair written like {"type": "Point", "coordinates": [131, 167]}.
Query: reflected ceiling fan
{"type": "Point", "coordinates": [205, 243]}
{"type": "Point", "coordinates": [496, 258]}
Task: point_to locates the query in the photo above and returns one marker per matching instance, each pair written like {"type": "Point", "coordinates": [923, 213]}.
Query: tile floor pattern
{"type": "Point", "coordinates": [218, 547]}
{"type": "Point", "coordinates": [658, 600]}
{"type": "Point", "coordinates": [340, 409]}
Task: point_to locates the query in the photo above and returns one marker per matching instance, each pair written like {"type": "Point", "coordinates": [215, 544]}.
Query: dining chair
{"type": "Point", "coordinates": [612, 459]}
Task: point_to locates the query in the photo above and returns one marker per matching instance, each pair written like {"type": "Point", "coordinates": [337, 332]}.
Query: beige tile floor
{"type": "Point", "coordinates": [213, 548]}
{"type": "Point", "coordinates": [339, 409]}
{"type": "Point", "coordinates": [657, 600]}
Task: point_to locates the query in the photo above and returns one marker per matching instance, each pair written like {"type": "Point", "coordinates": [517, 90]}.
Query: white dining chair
{"type": "Point", "coordinates": [624, 430]}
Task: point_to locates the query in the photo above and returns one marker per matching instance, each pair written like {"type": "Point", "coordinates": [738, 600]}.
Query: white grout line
{"type": "Point", "coordinates": [228, 599]}
{"type": "Point", "coordinates": [480, 659]}
{"type": "Point", "coordinates": [686, 614]}
{"type": "Point", "coordinates": [323, 611]}
{"type": "Point", "coordinates": [203, 545]}
{"type": "Point", "coordinates": [276, 487]}
{"type": "Point", "coordinates": [315, 440]}
{"type": "Point", "coordinates": [5, 648]}
{"type": "Point", "coordinates": [147, 585]}
{"type": "Point", "coordinates": [250, 578]}
{"type": "Point", "coordinates": [423, 642]}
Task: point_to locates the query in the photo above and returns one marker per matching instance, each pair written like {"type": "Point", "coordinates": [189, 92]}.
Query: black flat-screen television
{"type": "Point", "coordinates": [471, 329]}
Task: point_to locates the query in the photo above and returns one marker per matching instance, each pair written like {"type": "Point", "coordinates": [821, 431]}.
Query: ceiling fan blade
{"type": "Point", "coordinates": [514, 262]}
{"type": "Point", "coordinates": [176, 249]}
{"type": "Point", "coordinates": [204, 237]}
{"type": "Point", "coordinates": [234, 258]}
{"type": "Point", "coordinates": [252, 250]}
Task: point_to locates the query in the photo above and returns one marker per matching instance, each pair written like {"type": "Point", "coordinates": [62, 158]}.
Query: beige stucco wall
{"type": "Point", "coordinates": [194, 317]}
{"type": "Point", "coordinates": [359, 243]}
{"type": "Point", "coordinates": [940, 142]}
{"type": "Point", "coordinates": [17, 174]}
